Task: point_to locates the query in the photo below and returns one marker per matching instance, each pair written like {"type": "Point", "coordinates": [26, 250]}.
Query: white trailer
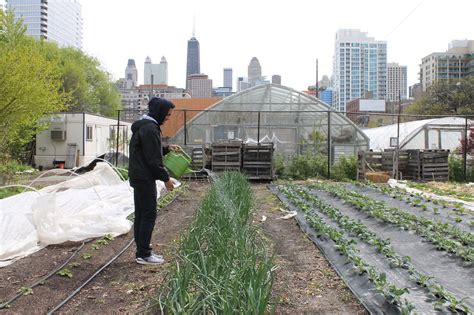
{"type": "Point", "coordinates": [75, 139]}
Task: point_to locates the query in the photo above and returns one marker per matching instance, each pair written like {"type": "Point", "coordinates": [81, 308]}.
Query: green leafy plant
{"type": "Point", "coordinates": [65, 273]}
{"type": "Point", "coordinates": [25, 290]}
{"type": "Point", "coordinates": [86, 256]}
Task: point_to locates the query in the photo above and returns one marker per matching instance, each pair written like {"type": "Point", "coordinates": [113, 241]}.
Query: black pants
{"type": "Point", "coordinates": [144, 195]}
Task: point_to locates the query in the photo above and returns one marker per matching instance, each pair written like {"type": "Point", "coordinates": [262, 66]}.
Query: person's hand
{"type": "Point", "coordinates": [175, 148]}
{"type": "Point", "coordinates": [169, 185]}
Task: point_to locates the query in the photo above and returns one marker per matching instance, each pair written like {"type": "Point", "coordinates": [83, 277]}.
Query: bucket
{"type": "Point", "coordinates": [177, 163]}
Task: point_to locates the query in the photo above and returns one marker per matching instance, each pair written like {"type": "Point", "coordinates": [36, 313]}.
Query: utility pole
{"type": "Point", "coordinates": [397, 153]}
{"type": "Point", "coordinates": [317, 80]}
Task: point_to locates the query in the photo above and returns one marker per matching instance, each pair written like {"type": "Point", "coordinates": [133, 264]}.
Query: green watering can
{"type": "Point", "coordinates": [177, 163]}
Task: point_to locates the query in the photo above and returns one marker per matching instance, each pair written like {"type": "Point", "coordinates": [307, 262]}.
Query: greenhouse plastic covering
{"type": "Point", "coordinates": [292, 120]}
{"type": "Point", "coordinates": [440, 133]}
{"type": "Point", "coordinates": [87, 206]}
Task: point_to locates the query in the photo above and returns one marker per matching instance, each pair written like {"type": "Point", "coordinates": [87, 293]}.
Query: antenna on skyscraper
{"type": "Point", "coordinates": [194, 26]}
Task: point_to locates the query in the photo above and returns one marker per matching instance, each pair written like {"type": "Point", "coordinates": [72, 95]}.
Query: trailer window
{"type": "Point", "coordinates": [89, 133]}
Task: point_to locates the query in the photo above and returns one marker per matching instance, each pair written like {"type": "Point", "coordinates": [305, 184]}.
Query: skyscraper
{"type": "Point", "coordinates": [396, 82]}
{"type": "Point", "coordinates": [228, 78]}
{"type": "Point", "coordinates": [159, 71]}
{"type": "Point", "coordinates": [193, 60]}
{"type": "Point", "coordinates": [59, 21]}
{"type": "Point", "coordinates": [131, 74]}
{"type": "Point", "coordinates": [254, 71]}
{"type": "Point", "coordinates": [359, 68]}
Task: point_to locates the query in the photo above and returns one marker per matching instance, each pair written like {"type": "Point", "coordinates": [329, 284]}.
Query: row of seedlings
{"type": "Point", "coordinates": [222, 266]}
{"type": "Point", "coordinates": [345, 246]}
{"type": "Point", "coordinates": [419, 200]}
{"type": "Point", "coordinates": [443, 236]}
{"type": "Point", "coordinates": [358, 229]}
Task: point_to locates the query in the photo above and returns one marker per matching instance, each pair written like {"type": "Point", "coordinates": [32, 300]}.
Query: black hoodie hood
{"type": "Point", "coordinates": [158, 108]}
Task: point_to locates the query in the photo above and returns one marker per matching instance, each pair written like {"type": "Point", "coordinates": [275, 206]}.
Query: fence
{"type": "Point", "coordinates": [331, 134]}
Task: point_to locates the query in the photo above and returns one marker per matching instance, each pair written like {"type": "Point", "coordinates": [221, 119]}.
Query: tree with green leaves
{"type": "Point", "coordinates": [455, 96]}
{"type": "Point", "coordinates": [38, 78]}
{"type": "Point", "coordinates": [91, 89]}
{"type": "Point", "coordinates": [29, 86]}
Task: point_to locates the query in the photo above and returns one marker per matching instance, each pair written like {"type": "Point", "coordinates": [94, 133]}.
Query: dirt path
{"type": "Point", "coordinates": [305, 282]}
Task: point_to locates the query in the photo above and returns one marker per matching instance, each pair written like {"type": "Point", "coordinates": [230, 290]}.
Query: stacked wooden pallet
{"type": "Point", "coordinates": [428, 165]}
{"type": "Point", "coordinates": [434, 165]}
{"type": "Point", "coordinates": [226, 156]}
{"type": "Point", "coordinates": [257, 161]}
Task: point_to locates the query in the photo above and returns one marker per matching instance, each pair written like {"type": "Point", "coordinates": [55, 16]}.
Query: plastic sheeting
{"type": "Point", "coordinates": [441, 133]}
{"type": "Point", "coordinates": [87, 206]}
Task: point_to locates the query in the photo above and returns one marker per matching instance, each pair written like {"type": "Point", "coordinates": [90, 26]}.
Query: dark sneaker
{"type": "Point", "coordinates": [151, 260]}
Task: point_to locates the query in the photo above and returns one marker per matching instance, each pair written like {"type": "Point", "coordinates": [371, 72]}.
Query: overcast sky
{"type": "Point", "coordinates": [285, 36]}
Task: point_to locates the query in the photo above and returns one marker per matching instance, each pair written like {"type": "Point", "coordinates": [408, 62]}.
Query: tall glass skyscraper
{"type": "Point", "coordinates": [359, 68]}
{"type": "Point", "coordinates": [59, 21]}
{"type": "Point", "coordinates": [193, 62]}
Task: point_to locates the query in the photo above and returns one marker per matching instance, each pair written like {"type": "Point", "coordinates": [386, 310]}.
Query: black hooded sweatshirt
{"type": "Point", "coordinates": [146, 150]}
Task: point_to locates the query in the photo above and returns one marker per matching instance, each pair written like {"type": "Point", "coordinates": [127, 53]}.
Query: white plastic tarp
{"type": "Point", "coordinates": [87, 206]}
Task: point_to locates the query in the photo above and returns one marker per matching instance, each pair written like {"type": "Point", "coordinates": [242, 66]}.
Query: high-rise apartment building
{"type": "Point", "coordinates": [199, 86]}
{"type": "Point", "coordinates": [454, 64]}
{"type": "Point", "coordinates": [254, 71]}
{"type": "Point", "coordinates": [193, 65]}
{"type": "Point", "coordinates": [359, 68]}
{"type": "Point", "coordinates": [228, 78]}
{"type": "Point", "coordinates": [158, 71]}
{"type": "Point", "coordinates": [396, 82]}
{"type": "Point", "coordinates": [131, 74]}
{"type": "Point", "coordinates": [58, 21]}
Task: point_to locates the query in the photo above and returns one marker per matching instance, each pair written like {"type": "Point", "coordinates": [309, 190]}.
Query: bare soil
{"type": "Point", "coordinates": [304, 281]}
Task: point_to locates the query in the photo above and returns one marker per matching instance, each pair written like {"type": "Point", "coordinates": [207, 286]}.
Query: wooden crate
{"type": "Point", "coordinates": [257, 161]}
{"type": "Point", "coordinates": [434, 165]}
{"type": "Point", "coordinates": [226, 156]}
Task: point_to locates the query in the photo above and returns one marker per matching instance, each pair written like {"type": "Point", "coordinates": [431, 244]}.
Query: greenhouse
{"type": "Point", "coordinates": [292, 120]}
{"type": "Point", "coordinates": [439, 133]}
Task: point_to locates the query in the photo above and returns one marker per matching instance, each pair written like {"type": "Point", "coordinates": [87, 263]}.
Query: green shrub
{"type": "Point", "coordinates": [345, 168]}
{"type": "Point", "coordinates": [456, 169]}
{"type": "Point", "coordinates": [305, 166]}
{"type": "Point", "coordinates": [11, 167]}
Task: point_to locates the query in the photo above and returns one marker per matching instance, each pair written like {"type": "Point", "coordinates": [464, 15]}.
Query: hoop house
{"type": "Point", "coordinates": [438, 133]}
{"type": "Point", "coordinates": [294, 121]}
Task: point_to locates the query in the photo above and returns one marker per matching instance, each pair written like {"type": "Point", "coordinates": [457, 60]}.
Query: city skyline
{"type": "Point", "coordinates": [287, 42]}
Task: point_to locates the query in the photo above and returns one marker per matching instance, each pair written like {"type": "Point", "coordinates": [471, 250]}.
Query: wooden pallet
{"type": "Point", "coordinates": [257, 161]}
{"type": "Point", "coordinates": [226, 156]}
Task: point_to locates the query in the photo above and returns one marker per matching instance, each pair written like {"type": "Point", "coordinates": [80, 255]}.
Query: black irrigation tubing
{"type": "Point", "coordinates": [73, 294]}
{"type": "Point", "coordinates": [52, 273]}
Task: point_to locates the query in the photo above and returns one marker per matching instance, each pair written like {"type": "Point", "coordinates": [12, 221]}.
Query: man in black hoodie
{"type": "Point", "coordinates": [145, 166]}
